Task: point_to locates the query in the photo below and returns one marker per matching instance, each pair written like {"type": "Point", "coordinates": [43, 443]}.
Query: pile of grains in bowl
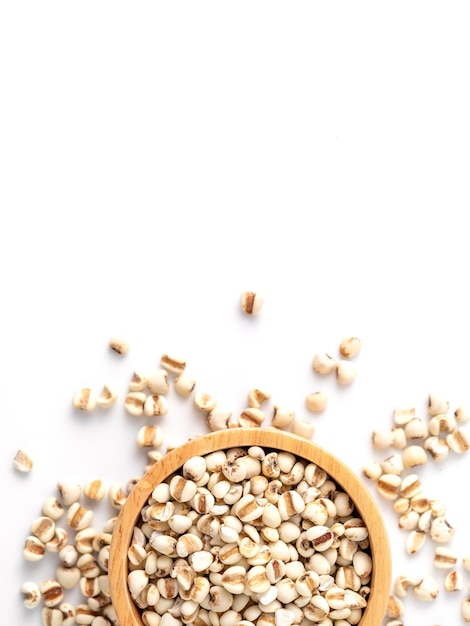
{"type": "Point", "coordinates": [252, 536]}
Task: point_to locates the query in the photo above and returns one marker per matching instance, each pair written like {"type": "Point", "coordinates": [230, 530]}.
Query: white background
{"type": "Point", "coordinates": [159, 158]}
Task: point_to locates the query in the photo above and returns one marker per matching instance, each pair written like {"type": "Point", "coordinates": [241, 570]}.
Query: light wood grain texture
{"type": "Point", "coordinates": [126, 610]}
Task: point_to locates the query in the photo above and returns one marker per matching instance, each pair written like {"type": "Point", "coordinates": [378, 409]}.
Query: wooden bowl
{"type": "Point", "coordinates": [126, 610]}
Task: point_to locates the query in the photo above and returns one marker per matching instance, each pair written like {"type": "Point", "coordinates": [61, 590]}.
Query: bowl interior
{"type": "Point", "coordinates": [344, 477]}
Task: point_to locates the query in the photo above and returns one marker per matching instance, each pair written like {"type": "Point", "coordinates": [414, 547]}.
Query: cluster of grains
{"type": "Point", "coordinates": [146, 397]}
{"type": "Point", "coordinates": [147, 391]}
{"type": "Point", "coordinates": [427, 588]}
{"type": "Point", "coordinates": [65, 529]}
{"type": "Point", "coordinates": [343, 366]}
{"type": "Point", "coordinates": [415, 440]}
{"type": "Point", "coordinates": [324, 363]}
{"type": "Point", "coordinates": [250, 536]}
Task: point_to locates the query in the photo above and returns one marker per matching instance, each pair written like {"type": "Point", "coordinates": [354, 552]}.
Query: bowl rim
{"type": "Point", "coordinates": [126, 610]}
